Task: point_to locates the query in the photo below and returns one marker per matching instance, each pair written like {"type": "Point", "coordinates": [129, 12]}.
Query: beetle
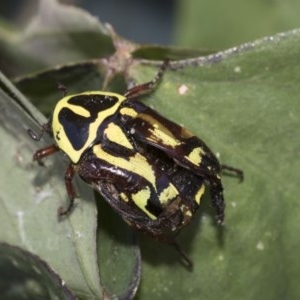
{"type": "Point", "coordinates": [152, 171]}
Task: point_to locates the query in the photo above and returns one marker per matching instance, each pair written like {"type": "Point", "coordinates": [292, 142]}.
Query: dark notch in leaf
{"type": "Point", "coordinates": [24, 275]}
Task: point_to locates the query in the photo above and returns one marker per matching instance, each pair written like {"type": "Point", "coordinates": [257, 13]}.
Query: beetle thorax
{"type": "Point", "coordinates": [77, 118]}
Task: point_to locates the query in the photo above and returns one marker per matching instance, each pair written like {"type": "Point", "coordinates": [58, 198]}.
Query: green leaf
{"type": "Point", "coordinates": [244, 103]}
{"type": "Point", "coordinates": [42, 90]}
{"type": "Point", "coordinates": [12, 59]}
{"type": "Point", "coordinates": [61, 33]}
{"type": "Point", "coordinates": [154, 52]}
{"type": "Point", "coordinates": [30, 196]}
{"type": "Point", "coordinates": [57, 34]}
{"type": "Point", "coordinates": [29, 199]}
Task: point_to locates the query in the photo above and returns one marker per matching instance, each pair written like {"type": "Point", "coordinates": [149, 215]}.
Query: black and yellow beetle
{"type": "Point", "coordinates": [152, 171]}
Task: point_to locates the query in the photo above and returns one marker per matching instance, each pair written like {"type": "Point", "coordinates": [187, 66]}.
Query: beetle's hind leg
{"type": "Point", "coordinates": [172, 242]}
{"type": "Point", "coordinates": [217, 199]}
{"type": "Point", "coordinates": [187, 261]}
{"type": "Point", "coordinates": [233, 171]}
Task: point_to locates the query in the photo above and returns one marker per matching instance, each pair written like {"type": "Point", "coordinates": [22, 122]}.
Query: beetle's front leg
{"type": "Point", "coordinates": [41, 153]}
{"type": "Point", "coordinates": [69, 175]}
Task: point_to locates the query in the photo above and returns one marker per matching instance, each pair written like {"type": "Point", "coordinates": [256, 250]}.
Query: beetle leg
{"type": "Point", "coordinates": [188, 262]}
{"type": "Point", "coordinates": [129, 137]}
{"type": "Point", "coordinates": [70, 190]}
{"type": "Point", "coordinates": [217, 197]}
{"type": "Point", "coordinates": [237, 172]}
{"type": "Point", "coordinates": [171, 241]}
{"type": "Point", "coordinates": [37, 137]}
{"type": "Point", "coordinates": [147, 87]}
{"type": "Point", "coordinates": [41, 153]}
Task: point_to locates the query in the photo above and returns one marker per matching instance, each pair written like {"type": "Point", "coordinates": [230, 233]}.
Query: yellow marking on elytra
{"type": "Point", "coordinates": [128, 112]}
{"type": "Point", "coordinates": [124, 197]}
{"type": "Point", "coordinates": [169, 193]}
{"type": "Point", "coordinates": [60, 136]}
{"type": "Point", "coordinates": [137, 164]}
{"type": "Point", "coordinates": [160, 133]}
{"type": "Point", "coordinates": [115, 134]}
{"type": "Point", "coordinates": [186, 211]}
{"type": "Point", "coordinates": [141, 198]}
{"type": "Point", "coordinates": [199, 194]}
{"type": "Point", "coordinates": [195, 156]}
{"type": "Point", "coordinates": [185, 133]}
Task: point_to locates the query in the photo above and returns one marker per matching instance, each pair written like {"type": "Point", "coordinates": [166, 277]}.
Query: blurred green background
{"type": "Point", "coordinates": [208, 24]}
